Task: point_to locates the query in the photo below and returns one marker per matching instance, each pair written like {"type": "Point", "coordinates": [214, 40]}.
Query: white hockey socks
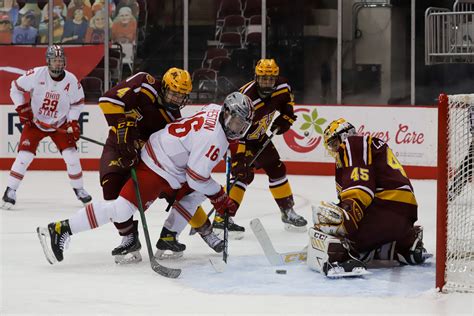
{"type": "Point", "coordinates": [97, 214]}
{"type": "Point", "coordinates": [18, 170]}
{"type": "Point", "coordinates": [182, 212]}
{"type": "Point", "coordinates": [73, 165]}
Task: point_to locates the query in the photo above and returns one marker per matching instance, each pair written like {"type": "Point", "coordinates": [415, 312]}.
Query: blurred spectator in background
{"type": "Point", "coordinates": [99, 5]}
{"type": "Point", "coordinates": [30, 7]}
{"type": "Point", "coordinates": [124, 28]}
{"type": "Point", "coordinates": [85, 5]}
{"type": "Point", "coordinates": [11, 8]}
{"type": "Point", "coordinates": [59, 8]}
{"type": "Point", "coordinates": [132, 4]}
{"type": "Point", "coordinates": [5, 29]}
{"type": "Point", "coordinates": [95, 31]}
{"type": "Point", "coordinates": [75, 29]}
{"type": "Point", "coordinates": [25, 33]}
{"type": "Point", "coordinates": [58, 29]}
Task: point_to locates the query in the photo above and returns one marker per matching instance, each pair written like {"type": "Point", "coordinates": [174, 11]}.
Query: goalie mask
{"type": "Point", "coordinates": [176, 87]}
{"type": "Point", "coordinates": [236, 115]}
{"type": "Point", "coordinates": [266, 76]}
{"type": "Point", "coordinates": [336, 133]}
{"type": "Point", "coordinates": [56, 60]}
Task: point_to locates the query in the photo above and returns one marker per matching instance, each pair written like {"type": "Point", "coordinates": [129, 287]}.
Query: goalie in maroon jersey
{"type": "Point", "coordinates": [134, 109]}
{"type": "Point", "coordinates": [376, 212]}
{"type": "Point", "coordinates": [271, 95]}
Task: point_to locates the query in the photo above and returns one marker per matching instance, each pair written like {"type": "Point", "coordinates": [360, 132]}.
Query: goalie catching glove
{"type": "Point", "coordinates": [127, 134]}
{"type": "Point", "coordinates": [222, 202]}
{"type": "Point", "coordinates": [282, 123]}
{"type": "Point", "coordinates": [329, 218]}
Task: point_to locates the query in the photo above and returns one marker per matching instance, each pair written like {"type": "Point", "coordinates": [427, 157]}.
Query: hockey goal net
{"type": "Point", "coordinates": [455, 214]}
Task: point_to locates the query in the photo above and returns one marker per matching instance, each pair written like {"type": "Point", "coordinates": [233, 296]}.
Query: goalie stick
{"type": "Point", "coordinates": [275, 258]}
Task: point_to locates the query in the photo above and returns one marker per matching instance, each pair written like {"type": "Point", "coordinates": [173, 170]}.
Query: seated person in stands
{"type": "Point", "coordinates": [124, 28]}
{"type": "Point", "coordinates": [95, 31]}
{"type": "Point", "coordinates": [58, 29]}
{"type": "Point", "coordinates": [5, 29]}
{"type": "Point", "coordinates": [11, 8]}
{"type": "Point", "coordinates": [75, 29]}
{"type": "Point", "coordinates": [25, 33]}
{"type": "Point", "coordinates": [85, 5]}
{"type": "Point", "coordinates": [132, 4]}
{"type": "Point", "coordinates": [99, 5]}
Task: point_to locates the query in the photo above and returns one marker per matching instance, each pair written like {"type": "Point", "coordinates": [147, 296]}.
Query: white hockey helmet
{"type": "Point", "coordinates": [56, 60]}
{"type": "Point", "coordinates": [237, 115]}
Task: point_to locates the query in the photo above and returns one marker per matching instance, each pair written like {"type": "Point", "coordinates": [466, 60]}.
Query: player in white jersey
{"type": "Point", "coordinates": [56, 101]}
{"type": "Point", "coordinates": [183, 153]}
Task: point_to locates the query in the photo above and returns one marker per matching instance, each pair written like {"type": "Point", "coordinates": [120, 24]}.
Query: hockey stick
{"type": "Point", "coordinates": [155, 266]}
{"type": "Point", "coordinates": [193, 231]}
{"type": "Point", "coordinates": [63, 131]}
{"type": "Point", "coordinates": [225, 253]}
{"type": "Point", "coordinates": [275, 258]}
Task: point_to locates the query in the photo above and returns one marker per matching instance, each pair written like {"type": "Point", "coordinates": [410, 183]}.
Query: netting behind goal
{"type": "Point", "coordinates": [455, 218]}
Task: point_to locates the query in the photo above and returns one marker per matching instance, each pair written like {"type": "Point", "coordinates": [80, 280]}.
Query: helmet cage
{"type": "Point", "coordinates": [336, 133]}
{"type": "Point", "coordinates": [237, 115]}
{"type": "Point", "coordinates": [56, 60]}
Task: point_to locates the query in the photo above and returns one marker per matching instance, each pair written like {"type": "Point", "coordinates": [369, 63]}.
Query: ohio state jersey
{"type": "Point", "coordinates": [52, 102]}
{"type": "Point", "coordinates": [281, 100]}
{"type": "Point", "coordinates": [188, 149]}
{"type": "Point", "coordinates": [137, 97]}
{"type": "Point", "coordinates": [367, 169]}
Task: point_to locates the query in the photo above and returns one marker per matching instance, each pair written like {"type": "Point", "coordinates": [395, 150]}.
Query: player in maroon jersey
{"type": "Point", "coordinates": [272, 96]}
{"type": "Point", "coordinates": [377, 207]}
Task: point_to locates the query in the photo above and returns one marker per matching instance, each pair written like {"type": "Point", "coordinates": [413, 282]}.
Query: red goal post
{"type": "Point", "coordinates": [455, 196]}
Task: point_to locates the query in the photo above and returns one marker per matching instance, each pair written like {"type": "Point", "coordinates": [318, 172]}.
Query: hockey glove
{"type": "Point", "coordinates": [25, 113]}
{"type": "Point", "coordinates": [222, 202]}
{"type": "Point", "coordinates": [283, 122]}
{"type": "Point", "coordinates": [240, 168]}
{"type": "Point", "coordinates": [73, 131]}
{"type": "Point", "coordinates": [127, 134]}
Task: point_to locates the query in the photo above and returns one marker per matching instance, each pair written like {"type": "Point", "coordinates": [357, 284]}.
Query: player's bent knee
{"type": "Point", "coordinates": [71, 156]}
{"type": "Point", "coordinates": [120, 210]}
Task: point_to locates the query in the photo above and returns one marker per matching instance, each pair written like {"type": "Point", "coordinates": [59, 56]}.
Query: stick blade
{"type": "Point", "coordinates": [171, 273]}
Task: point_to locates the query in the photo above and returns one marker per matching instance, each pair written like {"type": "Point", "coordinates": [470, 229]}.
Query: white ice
{"type": "Point", "coordinates": [88, 282]}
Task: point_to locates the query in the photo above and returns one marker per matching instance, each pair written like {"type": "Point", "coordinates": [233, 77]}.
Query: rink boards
{"type": "Point", "coordinates": [411, 131]}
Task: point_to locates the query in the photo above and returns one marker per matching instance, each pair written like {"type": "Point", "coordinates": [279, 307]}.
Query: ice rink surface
{"type": "Point", "coordinates": [88, 282]}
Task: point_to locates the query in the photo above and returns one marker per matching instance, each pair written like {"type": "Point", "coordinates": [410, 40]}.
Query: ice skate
{"type": "Point", "coordinates": [54, 239]}
{"type": "Point", "coordinates": [8, 199]}
{"type": "Point", "coordinates": [83, 196]}
{"type": "Point", "coordinates": [210, 238]}
{"type": "Point", "coordinates": [129, 250]}
{"type": "Point", "coordinates": [168, 246]}
{"type": "Point", "coordinates": [349, 268]}
{"type": "Point", "coordinates": [417, 254]}
{"type": "Point", "coordinates": [236, 232]}
{"type": "Point", "coordinates": [292, 221]}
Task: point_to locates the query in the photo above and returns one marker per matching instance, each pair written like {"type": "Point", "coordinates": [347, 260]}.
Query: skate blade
{"type": "Point", "coordinates": [132, 257]}
{"type": "Point", "coordinates": [167, 254]}
{"type": "Point", "coordinates": [294, 229]}
{"type": "Point", "coordinates": [233, 235]}
{"type": "Point", "coordinates": [356, 272]}
{"type": "Point", "coordinates": [7, 206]}
{"type": "Point", "coordinates": [45, 240]}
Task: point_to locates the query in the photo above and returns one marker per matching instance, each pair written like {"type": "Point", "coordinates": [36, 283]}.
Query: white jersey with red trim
{"type": "Point", "coordinates": [187, 150]}
{"type": "Point", "coordinates": [52, 102]}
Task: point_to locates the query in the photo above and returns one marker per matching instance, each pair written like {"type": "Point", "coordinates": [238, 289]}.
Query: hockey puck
{"type": "Point", "coordinates": [280, 271]}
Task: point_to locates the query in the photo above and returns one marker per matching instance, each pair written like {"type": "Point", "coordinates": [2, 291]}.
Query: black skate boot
{"type": "Point", "coordinates": [235, 231]}
{"type": "Point", "coordinates": [129, 250]}
{"type": "Point", "coordinates": [416, 253]}
{"type": "Point", "coordinates": [83, 196]}
{"type": "Point", "coordinates": [348, 268]}
{"type": "Point", "coordinates": [8, 199]}
{"type": "Point", "coordinates": [293, 221]}
{"type": "Point", "coordinates": [210, 238]}
{"type": "Point", "coordinates": [54, 240]}
{"type": "Point", "coordinates": [168, 242]}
